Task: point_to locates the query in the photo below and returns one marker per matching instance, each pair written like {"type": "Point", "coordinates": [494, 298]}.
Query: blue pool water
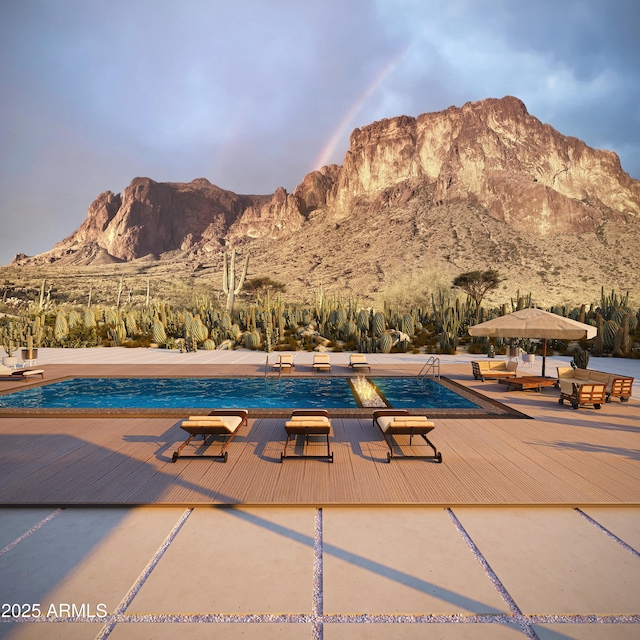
{"type": "Point", "coordinates": [262, 393]}
{"type": "Point", "coordinates": [165, 393]}
{"type": "Point", "coordinates": [414, 393]}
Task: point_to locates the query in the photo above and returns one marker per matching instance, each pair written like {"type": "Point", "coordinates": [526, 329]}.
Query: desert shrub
{"type": "Point", "coordinates": [80, 336]}
{"type": "Point", "coordinates": [349, 345]}
{"type": "Point", "coordinates": [477, 347]}
{"type": "Point", "coordinates": [139, 340]}
{"type": "Point", "coordinates": [558, 346]}
{"type": "Point", "coordinates": [288, 344]}
{"type": "Point", "coordinates": [420, 339]}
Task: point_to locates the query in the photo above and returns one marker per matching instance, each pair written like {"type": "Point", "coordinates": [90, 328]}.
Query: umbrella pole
{"type": "Point", "coordinates": [544, 355]}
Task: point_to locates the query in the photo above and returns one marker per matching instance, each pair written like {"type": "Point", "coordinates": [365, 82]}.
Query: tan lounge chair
{"type": "Point", "coordinates": [594, 393]}
{"type": "Point", "coordinates": [308, 422]}
{"type": "Point", "coordinates": [284, 362]}
{"type": "Point", "coordinates": [221, 422]}
{"type": "Point", "coordinates": [321, 362]}
{"type": "Point", "coordinates": [358, 361]}
{"type": "Point", "coordinates": [399, 422]}
{"type": "Point", "coordinates": [19, 374]}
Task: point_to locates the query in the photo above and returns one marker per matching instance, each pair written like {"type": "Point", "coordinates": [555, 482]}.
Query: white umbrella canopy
{"type": "Point", "coordinates": [534, 323]}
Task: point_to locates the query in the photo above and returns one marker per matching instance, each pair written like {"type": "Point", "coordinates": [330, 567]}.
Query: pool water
{"type": "Point", "coordinates": [416, 393]}
{"type": "Point", "coordinates": [232, 393]}
{"type": "Point", "coordinates": [164, 393]}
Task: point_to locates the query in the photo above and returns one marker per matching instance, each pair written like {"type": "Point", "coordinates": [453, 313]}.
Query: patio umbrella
{"type": "Point", "coordinates": [534, 323]}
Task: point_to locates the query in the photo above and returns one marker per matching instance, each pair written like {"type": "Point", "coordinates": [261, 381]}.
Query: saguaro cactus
{"type": "Point", "coordinates": [41, 304]}
{"type": "Point", "coordinates": [229, 279]}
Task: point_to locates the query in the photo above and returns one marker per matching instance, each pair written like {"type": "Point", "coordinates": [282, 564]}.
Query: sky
{"type": "Point", "coordinates": [254, 94]}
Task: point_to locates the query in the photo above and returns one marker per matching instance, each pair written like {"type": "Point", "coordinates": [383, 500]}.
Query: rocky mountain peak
{"type": "Point", "coordinates": [482, 171]}
{"type": "Point", "coordinates": [496, 155]}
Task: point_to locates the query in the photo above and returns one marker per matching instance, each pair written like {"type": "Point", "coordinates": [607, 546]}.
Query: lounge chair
{"type": "Point", "coordinates": [321, 362]}
{"type": "Point", "coordinates": [358, 361]}
{"type": "Point", "coordinates": [284, 361]}
{"type": "Point", "coordinates": [399, 422]}
{"type": "Point", "coordinates": [19, 374]}
{"type": "Point", "coordinates": [308, 422]}
{"type": "Point", "coordinates": [221, 422]}
{"type": "Point", "coordinates": [594, 393]}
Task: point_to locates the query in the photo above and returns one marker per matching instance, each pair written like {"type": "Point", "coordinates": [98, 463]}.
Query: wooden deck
{"type": "Point", "coordinates": [560, 457]}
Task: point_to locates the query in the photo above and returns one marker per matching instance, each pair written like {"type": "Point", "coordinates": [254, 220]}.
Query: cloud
{"type": "Point", "coordinates": [251, 95]}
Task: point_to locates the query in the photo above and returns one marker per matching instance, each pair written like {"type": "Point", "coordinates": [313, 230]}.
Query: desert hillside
{"type": "Point", "coordinates": [416, 200]}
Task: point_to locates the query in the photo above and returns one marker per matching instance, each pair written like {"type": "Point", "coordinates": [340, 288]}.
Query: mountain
{"type": "Point", "coordinates": [484, 185]}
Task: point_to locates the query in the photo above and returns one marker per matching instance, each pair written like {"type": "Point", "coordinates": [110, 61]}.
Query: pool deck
{"type": "Point", "coordinates": [529, 528]}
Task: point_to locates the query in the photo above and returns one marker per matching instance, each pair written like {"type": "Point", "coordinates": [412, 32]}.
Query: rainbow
{"type": "Point", "coordinates": [339, 131]}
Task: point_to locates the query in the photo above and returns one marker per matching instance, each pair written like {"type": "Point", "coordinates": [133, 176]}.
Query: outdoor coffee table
{"type": "Point", "coordinates": [522, 383]}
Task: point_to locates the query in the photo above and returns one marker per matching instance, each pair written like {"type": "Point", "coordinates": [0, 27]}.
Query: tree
{"type": "Point", "coordinates": [260, 285]}
{"type": "Point", "coordinates": [477, 284]}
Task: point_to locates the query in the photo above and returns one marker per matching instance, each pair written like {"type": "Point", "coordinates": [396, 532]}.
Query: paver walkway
{"type": "Point", "coordinates": [313, 573]}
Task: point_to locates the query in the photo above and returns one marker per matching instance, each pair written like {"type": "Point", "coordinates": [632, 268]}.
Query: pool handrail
{"type": "Point", "coordinates": [266, 366]}
{"type": "Point", "coordinates": [432, 364]}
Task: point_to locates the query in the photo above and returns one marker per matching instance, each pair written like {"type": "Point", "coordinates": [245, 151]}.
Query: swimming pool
{"type": "Point", "coordinates": [249, 393]}
{"type": "Point", "coordinates": [163, 393]}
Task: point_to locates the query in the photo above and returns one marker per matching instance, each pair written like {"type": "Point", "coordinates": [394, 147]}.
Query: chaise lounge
{"type": "Point", "coordinates": [495, 369]}
{"type": "Point", "coordinates": [308, 422]}
{"type": "Point", "coordinates": [399, 422]}
{"type": "Point", "coordinates": [284, 361]}
{"type": "Point", "coordinates": [321, 362]}
{"type": "Point", "coordinates": [19, 374]}
{"type": "Point", "coordinates": [221, 422]}
{"type": "Point", "coordinates": [358, 361]}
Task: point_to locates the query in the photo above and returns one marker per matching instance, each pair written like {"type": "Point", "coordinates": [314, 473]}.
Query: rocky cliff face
{"type": "Point", "coordinates": [490, 153]}
{"type": "Point", "coordinates": [153, 218]}
{"type": "Point", "coordinates": [272, 218]}
{"type": "Point", "coordinates": [487, 174]}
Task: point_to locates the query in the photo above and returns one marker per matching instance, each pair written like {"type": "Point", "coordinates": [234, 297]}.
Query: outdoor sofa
{"type": "Point", "coordinates": [593, 393]}
{"type": "Point", "coordinates": [494, 369]}
{"type": "Point", "coordinates": [617, 386]}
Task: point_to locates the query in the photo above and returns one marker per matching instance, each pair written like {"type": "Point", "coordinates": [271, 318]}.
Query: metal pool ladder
{"type": "Point", "coordinates": [266, 369]}
{"type": "Point", "coordinates": [431, 366]}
